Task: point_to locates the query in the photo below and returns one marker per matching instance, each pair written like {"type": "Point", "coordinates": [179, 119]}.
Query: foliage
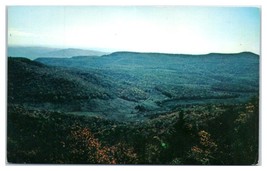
{"type": "Point", "coordinates": [134, 108]}
{"type": "Point", "coordinates": [203, 153]}
{"type": "Point", "coordinates": [175, 138]}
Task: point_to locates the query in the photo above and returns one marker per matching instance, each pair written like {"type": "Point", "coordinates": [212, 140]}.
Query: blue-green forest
{"type": "Point", "coordinates": [134, 108]}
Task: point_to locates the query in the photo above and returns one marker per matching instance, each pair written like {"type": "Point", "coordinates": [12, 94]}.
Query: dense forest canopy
{"type": "Point", "coordinates": [134, 108]}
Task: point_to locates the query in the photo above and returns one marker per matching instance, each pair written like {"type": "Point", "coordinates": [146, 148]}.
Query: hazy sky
{"type": "Point", "coordinates": [170, 29]}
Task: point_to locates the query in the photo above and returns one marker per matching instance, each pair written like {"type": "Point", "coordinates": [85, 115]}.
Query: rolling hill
{"type": "Point", "coordinates": [37, 85]}
{"type": "Point", "coordinates": [180, 77]}
{"type": "Point", "coordinates": [134, 108]}
{"type": "Point", "coordinates": [132, 86]}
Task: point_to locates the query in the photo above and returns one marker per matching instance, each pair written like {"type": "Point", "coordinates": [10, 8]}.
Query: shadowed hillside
{"type": "Point", "coordinates": [37, 85]}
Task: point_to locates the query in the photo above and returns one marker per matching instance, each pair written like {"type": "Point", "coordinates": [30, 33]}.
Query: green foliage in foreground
{"type": "Point", "coordinates": [197, 135]}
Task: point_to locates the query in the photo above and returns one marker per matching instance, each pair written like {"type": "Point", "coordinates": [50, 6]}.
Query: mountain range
{"type": "Point", "coordinates": [130, 85]}
{"type": "Point", "coordinates": [36, 52]}
{"type": "Point", "coordinates": [134, 108]}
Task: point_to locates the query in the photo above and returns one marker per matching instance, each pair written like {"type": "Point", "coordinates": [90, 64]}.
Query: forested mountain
{"type": "Point", "coordinates": [134, 108]}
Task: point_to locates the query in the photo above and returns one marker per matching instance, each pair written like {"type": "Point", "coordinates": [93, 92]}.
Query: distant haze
{"type": "Point", "coordinates": [37, 52]}
{"type": "Point", "coordinates": [167, 29]}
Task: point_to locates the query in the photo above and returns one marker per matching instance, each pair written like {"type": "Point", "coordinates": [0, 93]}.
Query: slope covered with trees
{"type": "Point", "coordinates": [134, 108]}
{"type": "Point", "coordinates": [216, 135]}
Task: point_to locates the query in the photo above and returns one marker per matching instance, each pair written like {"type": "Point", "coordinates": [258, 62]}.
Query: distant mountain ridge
{"type": "Point", "coordinates": [154, 60]}
{"type": "Point", "coordinates": [70, 52]}
{"type": "Point", "coordinates": [37, 52]}
{"type": "Point", "coordinates": [178, 54]}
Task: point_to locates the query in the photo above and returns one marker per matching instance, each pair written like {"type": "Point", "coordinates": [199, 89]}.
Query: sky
{"type": "Point", "coordinates": [166, 29]}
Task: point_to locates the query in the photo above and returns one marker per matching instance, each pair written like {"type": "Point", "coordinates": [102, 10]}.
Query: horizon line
{"type": "Point", "coordinates": [126, 51]}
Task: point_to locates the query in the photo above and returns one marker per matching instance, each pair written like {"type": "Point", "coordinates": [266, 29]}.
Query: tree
{"type": "Point", "coordinates": [85, 148]}
{"type": "Point", "coordinates": [203, 153]}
